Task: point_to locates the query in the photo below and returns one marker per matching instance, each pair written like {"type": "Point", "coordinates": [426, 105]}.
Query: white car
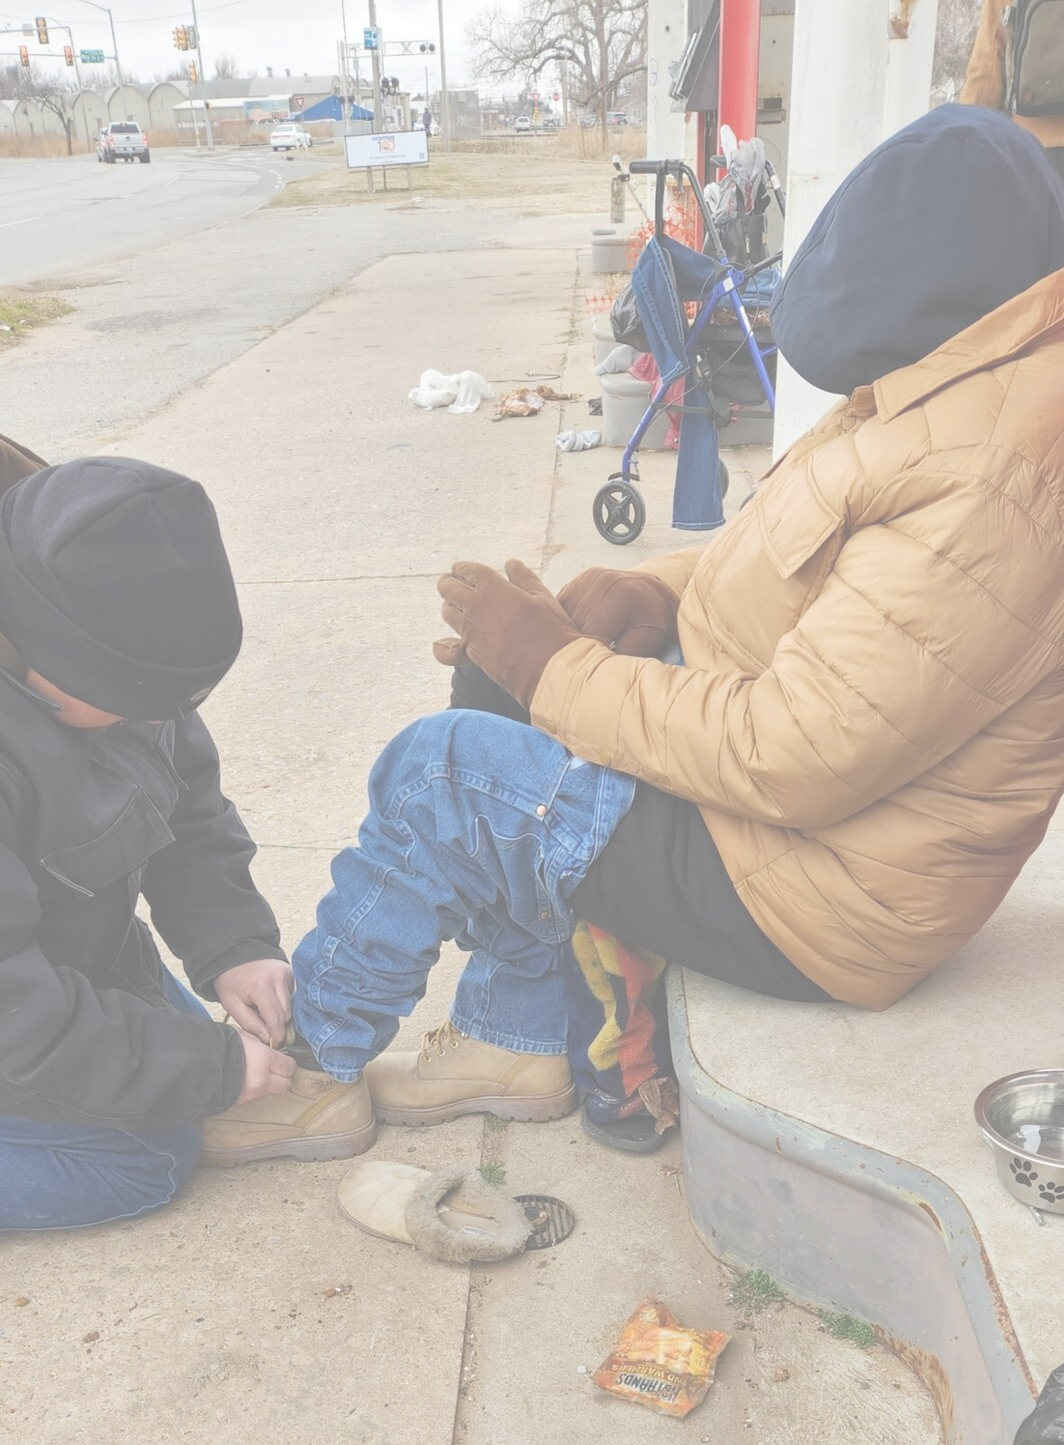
{"type": "Point", "coordinates": [523, 124]}
{"type": "Point", "coordinates": [290, 138]}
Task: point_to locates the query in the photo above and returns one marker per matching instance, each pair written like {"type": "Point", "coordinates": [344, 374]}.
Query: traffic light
{"type": "Point", "coordinates": [191, 38]}
{"type": "Point", "coordinates": [181, 37]}
{"type": "Point", "coordinates": [68, 55]}
{"type": "Point", "coordinates": [23, 55]}
{"type": "Point", "coordinates": [41, 23]}
{"type": "Point", "coordinates": [193, 73]}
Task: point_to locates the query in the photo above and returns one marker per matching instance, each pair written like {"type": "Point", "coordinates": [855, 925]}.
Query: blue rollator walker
{"type": "Point", "coordinates": [666, 276]}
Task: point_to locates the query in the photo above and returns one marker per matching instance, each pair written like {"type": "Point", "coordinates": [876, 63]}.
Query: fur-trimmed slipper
{"type": "Point", "coordinates": [449, 1214]}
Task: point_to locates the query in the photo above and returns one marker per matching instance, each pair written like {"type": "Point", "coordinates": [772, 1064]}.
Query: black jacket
{"type": "Point", "coordinates": [89, 823]}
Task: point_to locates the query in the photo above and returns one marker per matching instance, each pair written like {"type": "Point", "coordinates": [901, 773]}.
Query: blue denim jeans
{"type": "Point", "coordinates": [479, 829]}
{"type": "Point", "coordinates": [64, 1176]}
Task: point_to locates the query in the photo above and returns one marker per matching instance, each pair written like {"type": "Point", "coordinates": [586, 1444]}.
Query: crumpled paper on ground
{"type": "Point", "coordinates": [462, 392]}
{"type": "Point", "coordinates": [528, 400]}
{"type": "Point", "coordinates": [578, 441]}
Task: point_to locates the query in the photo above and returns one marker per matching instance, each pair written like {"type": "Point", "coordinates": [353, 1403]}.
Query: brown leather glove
{"type": "Point", "coordinates": [510, 629]}
{"type": "Point", "coordinates": [631, 612]}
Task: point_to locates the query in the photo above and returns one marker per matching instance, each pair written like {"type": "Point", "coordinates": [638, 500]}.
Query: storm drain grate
{"type": "Point", "coordinates": [552, 1220]}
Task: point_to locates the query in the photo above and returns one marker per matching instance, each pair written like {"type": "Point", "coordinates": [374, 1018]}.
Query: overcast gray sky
{"type": "Point", "coordinates": [299, 35]}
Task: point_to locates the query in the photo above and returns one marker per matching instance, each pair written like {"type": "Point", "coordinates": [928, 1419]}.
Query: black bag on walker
{"type": "Point", "coordinates": [625, 323]}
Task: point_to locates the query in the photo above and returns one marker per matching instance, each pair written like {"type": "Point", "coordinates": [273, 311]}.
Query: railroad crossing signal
{"type": "Point", "coordinates": [41, 23]}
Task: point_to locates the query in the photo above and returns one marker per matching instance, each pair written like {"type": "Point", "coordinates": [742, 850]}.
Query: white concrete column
{"type": "Point", "coordinates": [861, 71]}
{"type": "Point", "coordinates": [666, 38]}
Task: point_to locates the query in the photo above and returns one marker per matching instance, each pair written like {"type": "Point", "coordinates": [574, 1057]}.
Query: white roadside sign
{"type": "Point", "coordinates": [393, 148]}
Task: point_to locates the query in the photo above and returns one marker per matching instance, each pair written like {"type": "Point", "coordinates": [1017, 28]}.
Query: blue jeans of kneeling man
{"type": "Point", "coordinates": [479, 829]}
{"type": "Point", "coordinates": [66, 1176]}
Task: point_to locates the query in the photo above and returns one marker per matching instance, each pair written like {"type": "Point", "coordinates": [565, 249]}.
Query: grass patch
{"type": "Point", "coordinates": [847, 1327]}
{"type": "Point", "coordinates": [493, 1174]}
{"type": "Point", "coordinates": [754, 1291]}
{"type": "Point", "coordinates": [25, 311]}
{"type": "Point", "coordinates": [528, 183]}
{"type": "Point", "coordinates": [494, 1124]}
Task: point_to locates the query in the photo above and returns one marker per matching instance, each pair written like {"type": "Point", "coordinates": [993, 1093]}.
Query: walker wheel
{"type": "Point", "coordinates": [722, 479]}
{"type": "Point", "coordinates": [619, 513]}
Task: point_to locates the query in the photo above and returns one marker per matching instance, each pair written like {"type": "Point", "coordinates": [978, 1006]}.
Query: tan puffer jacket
{"type": "Point", "coordinates": [871, 715]}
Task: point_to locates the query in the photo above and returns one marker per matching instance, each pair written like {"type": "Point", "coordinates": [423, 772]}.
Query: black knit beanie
{"type": "Point", "coordinates": [115, 585]}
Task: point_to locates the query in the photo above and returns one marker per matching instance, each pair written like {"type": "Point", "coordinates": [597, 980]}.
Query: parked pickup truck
{"type": "Point", "coordinates": [122, 140]}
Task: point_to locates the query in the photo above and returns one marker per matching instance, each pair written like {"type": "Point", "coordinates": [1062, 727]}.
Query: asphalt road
{"type": "Point", "coordinates": [59, 216]}
{"type": "Point", "coordinates": [176, 269]}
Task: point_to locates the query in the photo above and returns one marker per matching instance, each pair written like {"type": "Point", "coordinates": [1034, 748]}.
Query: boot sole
{"type": "Point", "coordinates": [525, 1111]}
{"type": "Point", "coordinates": [317, 1149]}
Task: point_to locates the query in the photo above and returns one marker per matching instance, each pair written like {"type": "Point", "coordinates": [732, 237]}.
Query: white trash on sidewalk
{"type": "Point", "coordinates": [462, 392]}
{"type": "Point", "coordinates": [578, 441]}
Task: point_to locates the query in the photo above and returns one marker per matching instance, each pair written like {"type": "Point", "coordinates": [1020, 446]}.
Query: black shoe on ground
{"type": "Point", "coordinates": [635, 1134]}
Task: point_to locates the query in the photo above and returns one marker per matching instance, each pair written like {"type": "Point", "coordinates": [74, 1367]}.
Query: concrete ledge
{"type": "Point", "coordinates": [836, 1149]}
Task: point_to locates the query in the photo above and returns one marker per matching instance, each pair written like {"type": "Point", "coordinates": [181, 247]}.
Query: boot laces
{"type": "Point", "coordinates": [441, 1038]}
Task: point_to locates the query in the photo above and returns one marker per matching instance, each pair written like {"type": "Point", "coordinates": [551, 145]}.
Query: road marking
{"type": "Point", "coordinates": [23, 222]}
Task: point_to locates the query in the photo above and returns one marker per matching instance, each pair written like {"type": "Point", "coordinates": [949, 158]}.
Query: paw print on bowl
{"type": "Point", "coordinates": [1022, 1172]}
{"type": "Point", "coordinates": [1051, 1193]}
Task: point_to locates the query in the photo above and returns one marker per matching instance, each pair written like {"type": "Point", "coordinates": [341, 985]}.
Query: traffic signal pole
{"type": "Point", "coordinates": [114, 46]}
{"type": "Point", "coordinates": [202, 80]}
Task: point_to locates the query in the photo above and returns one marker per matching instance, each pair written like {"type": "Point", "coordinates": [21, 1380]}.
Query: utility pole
{"type": "Point", "coordinates": [445, 103]}
{"type": "Point", "coordinates": [345, 78]}
{"type": "Point", "coordinates": [375, 58]}
{"type": "Point", "coordinates": [202, 81]}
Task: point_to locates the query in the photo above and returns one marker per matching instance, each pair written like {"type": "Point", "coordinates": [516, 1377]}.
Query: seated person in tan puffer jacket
{"type": "Point", "coordinates": [865, 739]}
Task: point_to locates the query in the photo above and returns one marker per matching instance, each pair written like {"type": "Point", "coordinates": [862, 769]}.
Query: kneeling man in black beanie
{"type": "Point", "coordinates": [118, 615]}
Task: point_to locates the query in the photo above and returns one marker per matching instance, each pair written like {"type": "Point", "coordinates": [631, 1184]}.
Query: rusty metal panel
{"type": "Point", "coordinates": [845, 1227]}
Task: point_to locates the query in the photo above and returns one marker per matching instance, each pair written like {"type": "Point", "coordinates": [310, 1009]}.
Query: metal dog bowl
{"type": "Point", "coordinates": [1022, 1119]}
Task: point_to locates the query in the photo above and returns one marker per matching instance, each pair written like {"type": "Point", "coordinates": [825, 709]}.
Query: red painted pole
{"type": "Point", "coordinates": [740, 40]}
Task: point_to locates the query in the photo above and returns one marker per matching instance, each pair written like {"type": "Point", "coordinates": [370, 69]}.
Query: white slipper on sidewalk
{"type": "Point", "coordinates": [449, 1214]}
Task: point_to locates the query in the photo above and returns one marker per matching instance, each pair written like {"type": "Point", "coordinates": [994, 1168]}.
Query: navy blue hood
{"type": "Point", "coordinates": [942, 223]}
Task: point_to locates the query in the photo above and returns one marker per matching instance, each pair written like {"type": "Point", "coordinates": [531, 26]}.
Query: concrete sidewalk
{"type": "Point", "coordinates": [222, 1318]}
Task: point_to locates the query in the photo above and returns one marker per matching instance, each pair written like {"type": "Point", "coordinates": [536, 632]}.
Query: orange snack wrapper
{"type": "Point", "coordinates": [660, 1364]}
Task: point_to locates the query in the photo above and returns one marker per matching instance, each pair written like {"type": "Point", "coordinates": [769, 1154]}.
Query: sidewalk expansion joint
{"type": "Point", "coordinates": [492, 1162]}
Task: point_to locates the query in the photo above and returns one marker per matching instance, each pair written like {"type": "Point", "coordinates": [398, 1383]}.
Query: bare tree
{"type": "Point", "coordinates": [958, 20]}
{"type": "Point", "coordinates": [598, 44]}
{"type": "Point", "coordinates": [54, 92]}
{"type": "Point", "coordinates": [225, 67]}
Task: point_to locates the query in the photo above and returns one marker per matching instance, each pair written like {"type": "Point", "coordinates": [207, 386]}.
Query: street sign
{"type": "Point", "coordinates": [298, 102]}
{"type": "Point", "coordinates": [91, 57]}
{"type": "Point", "coordinates": [371, 38]}
{"type": "Point", "coordinates": [394, 148]}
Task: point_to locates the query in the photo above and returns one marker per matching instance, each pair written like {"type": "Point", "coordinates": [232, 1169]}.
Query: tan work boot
{"type": "Point", "coordinates": [452, 1074]}
{"type": "Point", "coordinates": [315, 1119]}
